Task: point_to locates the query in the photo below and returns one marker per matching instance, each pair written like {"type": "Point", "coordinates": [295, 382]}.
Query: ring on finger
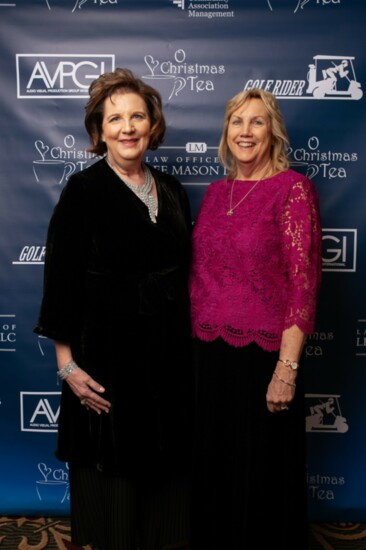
{"type": "Point", "coordinates": [83, 401]}
{"type": "Point", "coordinates": [284, 408]}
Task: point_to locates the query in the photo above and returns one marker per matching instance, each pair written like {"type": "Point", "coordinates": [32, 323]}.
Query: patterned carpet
{"type": "Point", "coordinates": [337, 536]}
{"type": "Point", "coordinates": [27, 533]}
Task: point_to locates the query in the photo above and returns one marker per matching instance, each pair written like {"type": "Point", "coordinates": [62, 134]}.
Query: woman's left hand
{"type": "Point", "coordinates": [281, 390]}
{"type": "Point", "coordinates": [88, 391]}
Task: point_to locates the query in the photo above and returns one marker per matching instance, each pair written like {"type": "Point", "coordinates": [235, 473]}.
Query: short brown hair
{"type": "Point", "coordinates": [280, 140]}
{"type": "Point", "coordinates": [121, 81]}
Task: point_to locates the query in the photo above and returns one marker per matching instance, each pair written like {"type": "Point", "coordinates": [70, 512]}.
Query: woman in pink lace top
{"type": "Point", "coordinates": [254, 285]}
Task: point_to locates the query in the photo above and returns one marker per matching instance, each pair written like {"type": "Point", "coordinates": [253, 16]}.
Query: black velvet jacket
{"type": "Point", "coordinates": [116, 290]}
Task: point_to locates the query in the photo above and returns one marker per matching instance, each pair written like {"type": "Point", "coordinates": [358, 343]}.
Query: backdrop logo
{"type": "Point", "coordinates": [193, 160]}
{"type": "Point", "coordinates": [209, 10]}
{"type": "Point", "coordinates": [45, 346]}
{"type": "Point", "coordinates": [313, 159]}
{"type": "Point", "coordinates": [8, 335]}
{"type": "Point", "coordinates": [54, 165]}
{"type": "Point", "coordinates": [182, 74]}
{"type": "Point", "coordinates": [324, 414]}
{"type": "Point", "coordinates": [31, 255]}
{"type": "Point", "coordinates": [361, 338]}
{"type": "Point", "coordinates": [53, 484]}
{"type": "Point", "coordinates": [328, 77]}
{"type": "Point", "coordinates": [317, 342]}
{"type": "Point", "coordinates": [63, 76]}
{"type": "Point", "coordinates": [339, 250]}
{"type": "Point", "coordinates": [39, 411]}
{"type": "Point", "coordinates": [300, 4]}
{"type": "Point", "coordinates": [74, 5]}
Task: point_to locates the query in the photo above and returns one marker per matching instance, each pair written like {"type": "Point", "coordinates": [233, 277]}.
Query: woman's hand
{"type": "Point", "coordinates": [88, 391]}
{"type": "Point", "coordinates": [281, 389]}
{"type": "Point", "coordinates": [83, 385]}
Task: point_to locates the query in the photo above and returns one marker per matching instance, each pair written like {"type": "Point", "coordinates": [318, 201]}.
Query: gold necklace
{"type": "Point", "coordinates": [230, 212]}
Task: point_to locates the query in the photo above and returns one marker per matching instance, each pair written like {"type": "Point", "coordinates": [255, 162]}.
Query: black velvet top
{"type": "Point", "coordinates": [115, 289]}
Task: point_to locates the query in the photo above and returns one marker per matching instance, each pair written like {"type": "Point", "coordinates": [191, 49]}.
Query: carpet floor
{"type": "Point", "coordinates": [53, 533]}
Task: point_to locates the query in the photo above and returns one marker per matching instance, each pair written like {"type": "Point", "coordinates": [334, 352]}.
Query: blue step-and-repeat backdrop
{"type": "Point", "coordinates": [311, 55]}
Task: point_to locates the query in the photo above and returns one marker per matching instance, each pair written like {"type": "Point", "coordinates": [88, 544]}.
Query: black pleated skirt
{"type": "Point", "coordinates": [111, 512]}
{"type": "Point", "coordinates": [250, 464]}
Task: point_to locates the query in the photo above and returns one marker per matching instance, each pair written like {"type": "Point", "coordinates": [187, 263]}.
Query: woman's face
{"type": "Point", "coordinates": [249, 135]}
{"type": "Point", "coordinates": [126, 128]}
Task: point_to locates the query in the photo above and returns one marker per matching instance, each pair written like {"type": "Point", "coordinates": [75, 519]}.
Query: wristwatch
{"type": "Point", "coordinates": [294, 365]}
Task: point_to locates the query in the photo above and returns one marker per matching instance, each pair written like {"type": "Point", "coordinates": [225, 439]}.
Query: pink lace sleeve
{"type": "Point", "coordinates": [302, 250]}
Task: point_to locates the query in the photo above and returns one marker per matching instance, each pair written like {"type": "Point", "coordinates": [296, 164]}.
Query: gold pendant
{"type": "Point", "coordinates": [229, 212]}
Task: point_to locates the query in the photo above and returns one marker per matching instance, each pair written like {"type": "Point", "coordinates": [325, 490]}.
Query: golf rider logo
{"type": "Point", "coordinates": [331, 77]}
{"type": "Point", "coordinates": [63, 76]}
{"type": "Point", "coordinates": [324, 414]}
{"type": "Point", "coordinates": [31, 255]}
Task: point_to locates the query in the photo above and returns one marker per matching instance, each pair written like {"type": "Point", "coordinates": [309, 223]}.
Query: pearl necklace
{"type": "Point", "coordinates": [230, 212]}
{"type": "Point", "coordinates": [143, 192]}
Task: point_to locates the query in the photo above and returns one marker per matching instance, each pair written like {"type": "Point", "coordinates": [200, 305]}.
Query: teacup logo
{"type": "Point", "coordinates": [312, 170]}
{"type": "Point", "coordinates": [152, 65]}
{"type": "Point", "coordinates": [298, 4]}
{"type": "Point", "coordinates": [72, 4]}
{"type": "Point", "coordinates": [190, 75]}
{"type": "Point", "coordinates": [45, 345]}
{"type": "Point", "coordinates": [160, 71]}
{"type": "Point", "coordinates": [53, 486]}
{"type": "Point", "coordinates": [50, 171]}
{"type": "Point", "coordinates": [179, 84]}
{"type": "Point", "coordinates": [300, 159]}
{"type": "Point", "coordinates": [309, 170]}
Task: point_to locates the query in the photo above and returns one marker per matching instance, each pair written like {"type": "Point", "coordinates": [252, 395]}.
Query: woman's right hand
{"type": "Point", "coordinates": [88, 391]}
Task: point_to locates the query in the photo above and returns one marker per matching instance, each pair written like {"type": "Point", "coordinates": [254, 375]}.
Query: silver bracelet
{"type": "Point", "coordinates": [67, 370]}
{"type": "Point", "coordinates": [284, 381]}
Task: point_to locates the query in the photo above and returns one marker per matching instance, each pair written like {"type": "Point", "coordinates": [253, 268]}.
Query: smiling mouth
{"type": "Point", "coordinates": [129, 141]}
{"type": "Point", "coordinates": [245, 145]}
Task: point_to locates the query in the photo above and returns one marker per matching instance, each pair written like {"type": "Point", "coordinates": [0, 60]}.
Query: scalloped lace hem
{"type": "Point", "coordinates": [237, 340]}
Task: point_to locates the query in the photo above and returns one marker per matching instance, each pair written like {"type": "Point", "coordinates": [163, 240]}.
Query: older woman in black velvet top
{"type": "Point", "coordinates": [116, 305]}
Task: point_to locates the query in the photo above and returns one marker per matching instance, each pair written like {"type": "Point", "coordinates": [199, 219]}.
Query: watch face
{"type": "Point", "coordinates": [294, 365]}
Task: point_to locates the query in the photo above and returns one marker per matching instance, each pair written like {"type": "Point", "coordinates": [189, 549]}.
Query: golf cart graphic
{"type": "Point", "coordinates": [333, 76]}
{"type": "Point", "coordinates": [324, 414]}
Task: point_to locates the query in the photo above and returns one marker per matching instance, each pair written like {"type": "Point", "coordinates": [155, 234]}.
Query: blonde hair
{"type": "Point", "coordinates": [280, 140]}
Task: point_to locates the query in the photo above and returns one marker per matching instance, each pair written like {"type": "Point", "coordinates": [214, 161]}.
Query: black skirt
{"type": "Point", "coordinates": [111, 512]}
{"type": "Point", "coordinates": [250, 464]}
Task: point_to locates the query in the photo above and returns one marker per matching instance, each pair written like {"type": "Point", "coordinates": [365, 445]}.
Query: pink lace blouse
{"type": "Point", "coordinates": [257, 272]}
